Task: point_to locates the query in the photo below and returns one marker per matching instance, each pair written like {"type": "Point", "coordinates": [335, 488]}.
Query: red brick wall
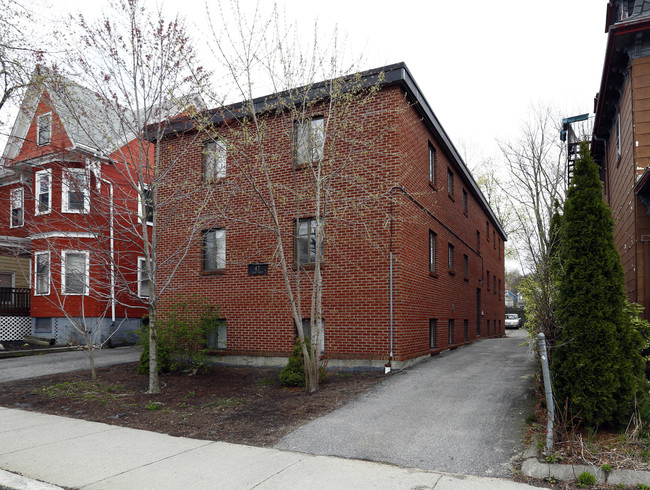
{"type": "Point", "coordinates": [386, 147]}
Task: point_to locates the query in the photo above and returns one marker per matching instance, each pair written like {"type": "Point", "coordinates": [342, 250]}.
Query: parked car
{"type": "Point", "coordinates": [513, 320]}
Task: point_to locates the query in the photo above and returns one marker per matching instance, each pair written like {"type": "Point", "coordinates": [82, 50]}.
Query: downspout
{"type": "Point", "coordinates": [387, 367]}
{"type": "Point", "coordinates": [111, 244]}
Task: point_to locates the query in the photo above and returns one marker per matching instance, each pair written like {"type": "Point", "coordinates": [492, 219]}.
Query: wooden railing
{"type": "Point", "coordinates": [14, 301]}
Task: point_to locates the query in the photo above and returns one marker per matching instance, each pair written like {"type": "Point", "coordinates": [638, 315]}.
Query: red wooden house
{"type": "Point", "coordinates": [405, 193]}
{"type": "Point", "coordinates": [69, 232]}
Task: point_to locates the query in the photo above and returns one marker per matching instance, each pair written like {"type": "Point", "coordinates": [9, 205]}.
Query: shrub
{"type": "Point", "coordinates": [586, 479]}
{"type": "Point", "coordinates": [293, 373]}
{"type": "Point", "coordinates": [182, 335]}
{"type": "Point", "coordinates": [596, 363]}
{"type": "Point", "coordinates": [165, 356]}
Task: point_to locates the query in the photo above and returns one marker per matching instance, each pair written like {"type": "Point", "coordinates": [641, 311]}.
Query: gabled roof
{"type": "Point", "coordinates": [91, 124]}
{"type": "Point", "coordinates": [391, 75]}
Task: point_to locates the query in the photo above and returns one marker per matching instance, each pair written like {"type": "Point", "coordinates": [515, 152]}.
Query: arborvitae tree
{"type": "Point", "coordinates": [597, 362]}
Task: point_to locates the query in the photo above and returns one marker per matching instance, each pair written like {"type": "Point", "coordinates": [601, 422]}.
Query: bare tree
{"type": "Point", "coordinates": [18, 47]}
{"type": "Point", "coordinates": [536, 180]}
{"type": "Point", "coordinates": [141, 68]}
{"type": "Point", "coordinates": [328, 126]}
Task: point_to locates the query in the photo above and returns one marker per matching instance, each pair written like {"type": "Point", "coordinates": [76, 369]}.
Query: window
{"type": "Point", "coordinates": [478, 241]}
{"type": "Point", "coordinates": [488, 280]}
{"type": "Point", "coordinates": [143, 278]}
{"type": "Point", "coordinates": [432, 251]}
{"type": "Point", "coordinates": [309, 141]}
{"type": "Point", "coordinates": [618, 135]}
{"type": "Point", "coordinates": [450, 182]}
{"type": "Point", "coordinates": [488, 327]}
{"type": "Point", "coordinates": [432, 164]}
{"type": "Point", "coordinates": [43, 191]}
{"type": "Point", "coordinates": [218, 338]}
{"type": "Point", "coordinates": [466, 330]}
{"type": "Point", "coordinates": [214, 161]}
{"type": "Point", "coordinates": [75, 272]}
{"type": "Point", "coordinates": [464, 201]}
{"type": "Point", "coordinates": [76, 192]}
{"type": "Point", "coordinates": [465, 265]}
{"type": "Point", "coordinates": [305, 242]}
{"type": "Point", "coordinates": [42, 273]}
{"type": "Point", "coordinates": [44, 129]}
{"type": "Point", "coordinates": [499, 289]}
{"type": "Point", "coordinates": [494, 238]}
{"type": "Point", "coordinates": [214, 250]}
{"type": "Point", "coordinates": [487, 231]}
{"type": "Point", "coordinates": [451, 257]}
{"type": "Point", "coordinates": [499, 247]}
{"type": "Point", "coordinates": [146, 211]}
{"type": "Point", "coordinates": [17, 207]}
{"type": "Point", "coordinates": [306, 330]}
{"type": "Point", "coordinates": [433, 334]}
{"type": "Point", "coordinates": [451, 331]}
{"type": "Point", "coordinates": [494, 280]}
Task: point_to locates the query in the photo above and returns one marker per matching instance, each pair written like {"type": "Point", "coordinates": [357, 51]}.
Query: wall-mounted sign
{"type": "Point", "coordinates": [258, 269]}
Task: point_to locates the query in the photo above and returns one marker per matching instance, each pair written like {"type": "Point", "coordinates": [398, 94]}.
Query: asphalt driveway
{"type": "Point", "coordinates": [460, 412]}
{"type": "Point", "coordinates": [15, 368]}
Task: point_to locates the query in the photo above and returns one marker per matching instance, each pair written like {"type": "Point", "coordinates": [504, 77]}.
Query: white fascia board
{"type": "Point", "coordinates": [63, 234]}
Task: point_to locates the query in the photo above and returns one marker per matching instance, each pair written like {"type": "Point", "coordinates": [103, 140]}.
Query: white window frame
{"type": "Point", "coordinates": [64, 255]}
{"type": "Point", "coordinates": [40, 129]}
{"type": "Point", "coordinates": [142, 274]}
{"type": "Point", "coordinates": [220, 252]}
{"type": "Point", "coordinates": [66, 189]}
{"type": "Point", "coordinates": [142, 206]}
{"type": "Point", "coordinates": [49, 273]}
{"type": "Point", "coordinates": [215, 158]}
{"type": "Point", "coordinates": [17, 201]}
{"type": "Point", "coordinates": [38, 191]}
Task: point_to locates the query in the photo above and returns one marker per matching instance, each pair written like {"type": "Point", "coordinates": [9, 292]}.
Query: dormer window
{"type": "Point", "coordinates": [44, 129]}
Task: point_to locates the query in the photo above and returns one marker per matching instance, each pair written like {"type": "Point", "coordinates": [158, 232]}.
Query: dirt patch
{"type": "Point", "coordinates": [237, 405]}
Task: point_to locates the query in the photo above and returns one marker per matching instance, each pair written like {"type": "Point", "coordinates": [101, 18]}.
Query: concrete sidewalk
{"type": "Point", "coordinates": [74, 453]}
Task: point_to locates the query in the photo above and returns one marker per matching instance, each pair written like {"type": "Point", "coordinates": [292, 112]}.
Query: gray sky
{"type": "Point", "coordinates": [481, 65]}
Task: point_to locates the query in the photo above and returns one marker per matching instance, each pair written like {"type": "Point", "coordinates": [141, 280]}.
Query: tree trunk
{"type": "Point", "coordinates": [154, 383]}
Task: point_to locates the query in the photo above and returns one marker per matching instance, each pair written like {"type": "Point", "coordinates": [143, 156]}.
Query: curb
{"type": "Point", "coordinates": [14, 481]}
{"type": "Point", "coordinates": [35, 352]}
{"type": "Point", "coordinates": [532, 467]}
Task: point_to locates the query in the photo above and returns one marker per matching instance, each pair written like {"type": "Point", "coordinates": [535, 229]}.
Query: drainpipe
{"type": "Point", "coordinates": [112, 244]}
{"type": "Point", "coordinates": [387, 367]}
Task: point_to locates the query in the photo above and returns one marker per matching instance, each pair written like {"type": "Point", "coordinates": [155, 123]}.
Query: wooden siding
{"type": "Point", "coordinates": [641, 115]}
{"type": "Point", "coordinates": [19, 266]}
{"type": "Point", "coordinates": [620, 193]}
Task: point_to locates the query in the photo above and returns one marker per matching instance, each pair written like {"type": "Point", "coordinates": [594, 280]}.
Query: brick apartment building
{"type": "Point", "coordinates": [68, 251]}
{"type": "Point", "coordinates": [404, 191]}
{"type": "Point", "coordinates": [621, 139]}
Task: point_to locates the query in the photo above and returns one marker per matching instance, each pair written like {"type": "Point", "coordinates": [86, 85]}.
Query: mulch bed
{"type": "Point", "coordinates": [237, 405]}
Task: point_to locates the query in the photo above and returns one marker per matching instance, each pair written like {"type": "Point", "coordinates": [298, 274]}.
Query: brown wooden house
{"type": "Point", "coordinates": [621, 139]}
